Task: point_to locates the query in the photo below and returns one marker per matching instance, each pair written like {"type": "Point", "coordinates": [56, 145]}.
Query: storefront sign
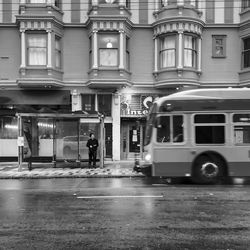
{"type": "Point", "coordinates": [136, 105]}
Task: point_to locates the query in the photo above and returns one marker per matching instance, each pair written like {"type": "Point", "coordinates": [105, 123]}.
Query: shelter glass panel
{"type": "Point", "coordinates": [8, 136]}
{"type": "Point", "coordinates": [66, 139]}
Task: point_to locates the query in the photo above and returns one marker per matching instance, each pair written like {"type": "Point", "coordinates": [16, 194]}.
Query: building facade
{"type": "Point", "coordinates": [114, 57]}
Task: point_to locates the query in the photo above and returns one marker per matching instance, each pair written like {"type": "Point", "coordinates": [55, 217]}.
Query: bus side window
{"type": "Point", "coordinates": [163, 129]}
{"type": "Point", "coordinates": [178, 128]}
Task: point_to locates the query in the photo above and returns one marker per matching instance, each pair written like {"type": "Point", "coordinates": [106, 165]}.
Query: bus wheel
{"type": "Point", "coordinates": [207, 170]}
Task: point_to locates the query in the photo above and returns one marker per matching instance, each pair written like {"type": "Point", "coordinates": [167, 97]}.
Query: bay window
{"type": "Point", "coordinates": [168, 51]}
{"type": "Point", "coordinates": [190, 51]}
{"type": "Point", "coordinates": [246, 53]}
{"type": "Point", "coordinates": [108, 50]}
{"type": "Point", "coordinates": [37, 49]}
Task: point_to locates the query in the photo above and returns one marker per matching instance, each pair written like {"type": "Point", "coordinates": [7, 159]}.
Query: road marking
{"type": "Point", "coordinates": [119, 196]}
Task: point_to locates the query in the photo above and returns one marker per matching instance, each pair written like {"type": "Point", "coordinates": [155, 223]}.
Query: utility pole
{"type": "Point", "coordinates": [20, 142]}
{"type": "Point", "coordinates": [101, 117]}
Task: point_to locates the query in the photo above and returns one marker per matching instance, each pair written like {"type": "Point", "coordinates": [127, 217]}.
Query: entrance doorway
{"type": "Point", "coordinates": [132, 133]}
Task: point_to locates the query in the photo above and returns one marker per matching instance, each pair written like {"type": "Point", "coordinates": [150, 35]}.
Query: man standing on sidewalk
{"type": "Point", "coordinates": [92, 144]}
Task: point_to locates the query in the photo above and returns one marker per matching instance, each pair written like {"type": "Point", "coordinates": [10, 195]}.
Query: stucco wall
{"type": "Point", "coordinates": [10, 53]}
{"type": "Point", "coordinates": [75, 54]}
{"type": "Point", "coordinates": [142, 55]}
{"type": "Point", "coordinates": [224, 70]}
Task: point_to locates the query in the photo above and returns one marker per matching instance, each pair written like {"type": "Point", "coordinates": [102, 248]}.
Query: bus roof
{"type": "Point", "coordinates": [207, 99]}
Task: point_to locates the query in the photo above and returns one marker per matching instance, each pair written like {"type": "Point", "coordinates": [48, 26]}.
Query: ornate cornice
{"type": "Point", "coordinates": [111, 24]}
{"type": "Point", "coordinates": [183, 25]}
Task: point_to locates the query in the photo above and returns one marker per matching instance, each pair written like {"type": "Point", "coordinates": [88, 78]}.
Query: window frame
{"type": "Point", "coordinates": [103, 48]}
{"type": "Point", "coordinates": [209, 124]}
{"type": "Point", "coordinates": [162, 50]}
{"type": "Point", "coordinates": [242, 124]}
{"type": "Point", "coordinates": [172, 130]}
{"type": "Point", "coordinates": [193, 50]}
{"type": "Point", "coordinates": [29, 34]}
{"type": "Point", "coordinates": [243, 54]}
{"type": "Point", "coordinates": [58, 52]}
{"type": "Point", "coordinates": [214, 46]}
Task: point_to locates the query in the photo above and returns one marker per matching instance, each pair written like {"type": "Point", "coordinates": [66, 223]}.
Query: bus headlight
{"type": "Point", "coordinates": [148, 157]}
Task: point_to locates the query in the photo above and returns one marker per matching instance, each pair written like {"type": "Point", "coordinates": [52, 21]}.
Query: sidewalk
{"type": "Point", "coordinates": [111, 169]}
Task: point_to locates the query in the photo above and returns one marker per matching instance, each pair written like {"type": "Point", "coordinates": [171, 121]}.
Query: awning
{"type": "Point", "coordinates": [34, 97]}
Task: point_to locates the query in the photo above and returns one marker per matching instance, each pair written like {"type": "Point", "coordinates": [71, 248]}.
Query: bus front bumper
{"type": "Point", "coordinates": [145, 168]}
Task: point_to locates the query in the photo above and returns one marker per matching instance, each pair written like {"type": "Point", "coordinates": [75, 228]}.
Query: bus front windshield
{"type": "Point", "coordinates": [170, 128]}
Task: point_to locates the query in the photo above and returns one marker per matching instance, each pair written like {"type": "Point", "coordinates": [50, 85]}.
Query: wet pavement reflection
{"type": "Point", "coordinates": [123, 213]}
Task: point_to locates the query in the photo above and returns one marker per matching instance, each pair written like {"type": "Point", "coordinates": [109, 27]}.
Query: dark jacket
{"type": "Point", "coordinates": [92, 144]}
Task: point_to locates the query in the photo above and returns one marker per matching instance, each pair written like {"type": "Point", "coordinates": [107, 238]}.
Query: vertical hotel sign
{"type": "Point", "coordinates": [136, 105]}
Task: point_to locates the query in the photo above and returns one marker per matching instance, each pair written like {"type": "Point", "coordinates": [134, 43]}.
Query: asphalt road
{"type": "Point", "coordinates": [122, 213]}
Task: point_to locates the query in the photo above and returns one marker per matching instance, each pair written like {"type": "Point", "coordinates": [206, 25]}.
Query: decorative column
{"type": "Point", "coordinates": [23, 50]}
{"type": "Point", "coordinates": [49, 64]}
{"type": "Point", "coordinates": [122, 49]}
{"type": "Point", "coordinates": [95, 49]}
{"type": "Point", "coordinates": [199, 55]}
{"type": "Point", "coordinates": [156, 54]}
{"type": "Point", "coordinates": [180, 50]}
{"type": "Point", "coordinates": [156, 5]}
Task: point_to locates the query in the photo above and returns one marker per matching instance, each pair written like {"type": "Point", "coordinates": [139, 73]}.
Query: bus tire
{"type": "Point", "coordinates": [208, 170]}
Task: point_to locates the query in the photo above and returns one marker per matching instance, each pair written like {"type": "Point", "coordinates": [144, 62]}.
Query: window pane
{"type": "Point", "coordinates": [58, 52]}
{"type": "Point", "coordinates": [210, 118]}
{"type": "Point", "coordinates": [37, 56]}
{"type": "Point", "coordinates": [209, 134]}
{"type": "Point", "coordinates": [190, 53]}
{"type": "Point", "coordinates": [241, 118]}
{"type": "Point", "coordinates": [246, 43]}
{"type": "Point", "coordinates": [167, 51]}
{"type": "Point", "coordinates": [108, 57]}
{"type": "Point", "coordinates": [37, 50]}
{"type": "Point", "coordinates": [104, 104]}
{"type": "Point", "coordinates": [108, 41]}
{"type": "Point", "coordinates": [163, 129]}
{"type": "Point", "coordinates": [88, 102]}
{"type": "Point", "coordinates": [38, 41]}
{"type": "Point", "coordinates": [177, 128]}
{"type": "Point", "coordinates": [241, 134]}
{"type": "Point", "coordinates": [188, 59]}
{"type": "Point", "coordinates": [246, 59]}
{"type": "Point", "coordinates": [168, 58]}
{"type": "Point", "coordinates": [8, 128]}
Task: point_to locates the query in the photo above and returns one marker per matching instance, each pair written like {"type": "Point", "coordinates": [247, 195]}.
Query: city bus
{"type": "Point", "coordinates": [202, 133]}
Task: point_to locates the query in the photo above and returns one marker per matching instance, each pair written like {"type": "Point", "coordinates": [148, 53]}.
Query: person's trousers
{"type": "Point", "coordinates": [92, 157]}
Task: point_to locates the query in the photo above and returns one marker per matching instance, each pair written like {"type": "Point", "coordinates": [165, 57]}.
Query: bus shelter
{"type": "Point", "coordinates": [53, 137]}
